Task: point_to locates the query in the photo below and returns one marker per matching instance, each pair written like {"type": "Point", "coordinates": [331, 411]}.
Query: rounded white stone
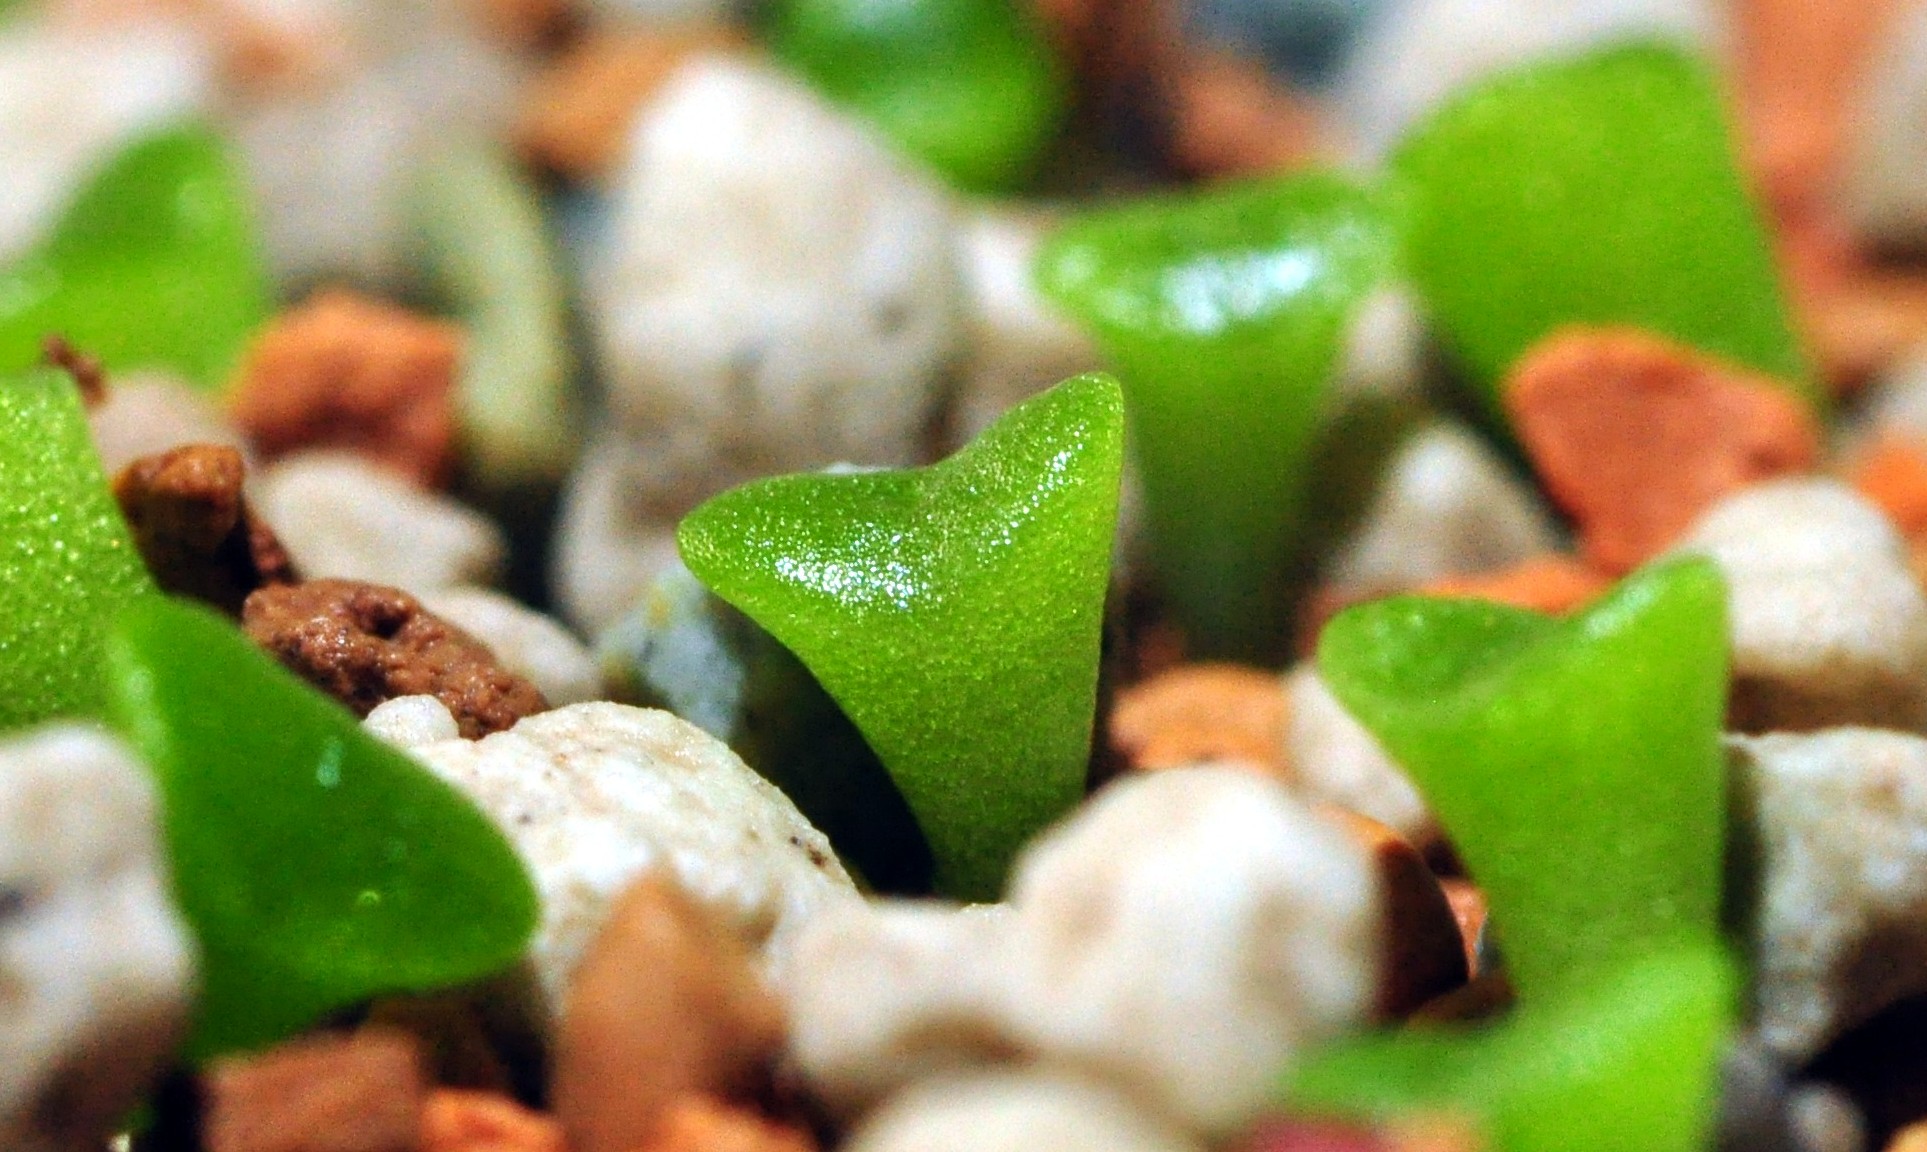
{"type": "Point", "coordinates": [593, 795]}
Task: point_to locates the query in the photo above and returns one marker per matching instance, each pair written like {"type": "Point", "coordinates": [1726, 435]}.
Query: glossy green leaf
{"type": "Point", "coordinates": [1629, 1064]}
{"type": "Point", "coordinates": [970, 87]}
{"type": "Point", "coordinates": [155, 263]}
{"type": "Point", "coordinates": [681, 648]}
{"type": "Point", "coordinates": [1224, 313]}
{"type": "Point", "coordinates": [1602, 190]}
{"type": "Point", "coordinates": [953, 611]}
{"type": "Point", "coordinates": [317, 865]}
{"type": "Point", "coordinates": [1575, 763]}
{"type": "Point", "coordinates": [67, 564]}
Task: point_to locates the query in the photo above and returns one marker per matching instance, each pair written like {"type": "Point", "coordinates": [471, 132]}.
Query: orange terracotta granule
{"type": "Point", "coordinates": [577, 116]}
{"type": "Point", "coordinates": [343, 371]}
{"type": "Point", "coordinates": [1892, 472]}
{"type": "Point", "coordinates": [365, 1091]}
{"type": "Point", "coordinates": [1468, 908]}
{"type": "Point", "coordinates": [1554, 584]}
{"type": "Point", "coordinates": [1198, 712]}
{"type": "Point", "coordinates": [702, 1124]}
{"type": "Point", "coordinates": [1635, 435]}
{"type": "Point", "coordinates": [457, 1120]}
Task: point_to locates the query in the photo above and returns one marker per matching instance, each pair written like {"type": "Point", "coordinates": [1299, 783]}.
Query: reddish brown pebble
{"type": "Point", "coordinates": [665, 1004]}
{"type": "Point", "coordinates": [455, 1120]}
{"type": "Point", "coordinates": [365, 644]}
{"type": "Point", "coordinates": [1424, 955]}
{"type": "Point", "coordinates": [703, 1124]}
{"type": "Point", "coordinates": [577, 116]}
{"type": "Point", "coordinates": [360, 1093]}
{"type": "Point", "coordinates": [1636, 435]}
{"type": "Point", "coordinates": [84, 369]}
{"type": "Point", "coordinates": [1554, 584]}
{"type": "Point", "coordinates": [345, 372]}
{"type": "Point", "coordinates": [194, 528]}
{"type": "Point", "coordinates": [1202, 712]}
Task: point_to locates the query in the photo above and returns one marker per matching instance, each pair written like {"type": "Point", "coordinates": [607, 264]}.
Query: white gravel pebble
{"type": "Point", "coordinates": [1180, 938]}
{"type": "Point", "coordinates": [97, 964]}
{"type": "Point", "coordinates": [1834, 828]}
{"type": "Point", "coordinates": [1828, 622]}
{"type": "Point", "coordinates": [344, 518]}
{"type": "Point", "coordinates": [779, 292]}
{"type": "Point", "coordinates": [594, 795]}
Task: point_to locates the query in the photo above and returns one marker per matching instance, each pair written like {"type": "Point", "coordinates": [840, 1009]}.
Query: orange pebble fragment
{"type": "Point", "coordinates": [1198, 712]}
{"type": "Point", "coordinates": [457, 1120]}
{"type": "Point", "coordinates": [1912, 1138]}
{"type": "Point", "coordinates": [1635, 435]}
{"type": "Point", "coordinates": [577, 117]}
{"type": "Point", "coordinates": [1892, 473]}
{"type": "Point", "coordinates": [343, 371]}
{"type": "Point", "coordinates": [1553, 584]}
{"type": "Point", "coordinates": [1468, 909]}
{"type": "Point", "coordinates": [704, 1124]}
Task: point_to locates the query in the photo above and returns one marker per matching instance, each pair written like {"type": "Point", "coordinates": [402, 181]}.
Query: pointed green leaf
{"type": "Point", "coordinates": [953, 611]}
{"type": "Point", "coordinates": [67, 564]}
{"type": "Point", "coordinates": [155, 263]}
{"type": "Point", "coordinates": [317, 865]}
{"type": "Point", "coordinates": [1601, 190]}
{"type": "Point", "coordinates": [1224, 312]}
{"type": "Point", "coordinates": [1629, 1064]}
{"type": "Point", "coordinates": [1575, 763]}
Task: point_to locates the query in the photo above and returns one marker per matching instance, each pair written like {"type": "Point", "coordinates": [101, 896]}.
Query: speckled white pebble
{"type": "Point", "coordinates": [593, 795]}
{"type": "Point", "coordinates": [1181, 938]}
{"type": "Point", "coordinates": [97, 965]}
{"type": "Point", "coordinates": [779, 292]}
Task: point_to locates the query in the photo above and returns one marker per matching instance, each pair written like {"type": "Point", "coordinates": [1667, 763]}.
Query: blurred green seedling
{"type": "Point", "coordinates": [1575, 764]}
{"type": "Point", "coordinates": [67, 564]}
{"type": "Point", "coordinates": [1629, 1063]}
{"type": "Point", "coordinates": [317, 865]}
{"type": "Point", "coordinates": [1224, 312]}
{"type": "Point", "coordinates": [154, 264]}
{"type": "Point", "coordinates": [970, 87]}
{"type": "Point", "coordinates": [1599, 190]}
{"type": "Point", "coordinates": [954, 612]}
